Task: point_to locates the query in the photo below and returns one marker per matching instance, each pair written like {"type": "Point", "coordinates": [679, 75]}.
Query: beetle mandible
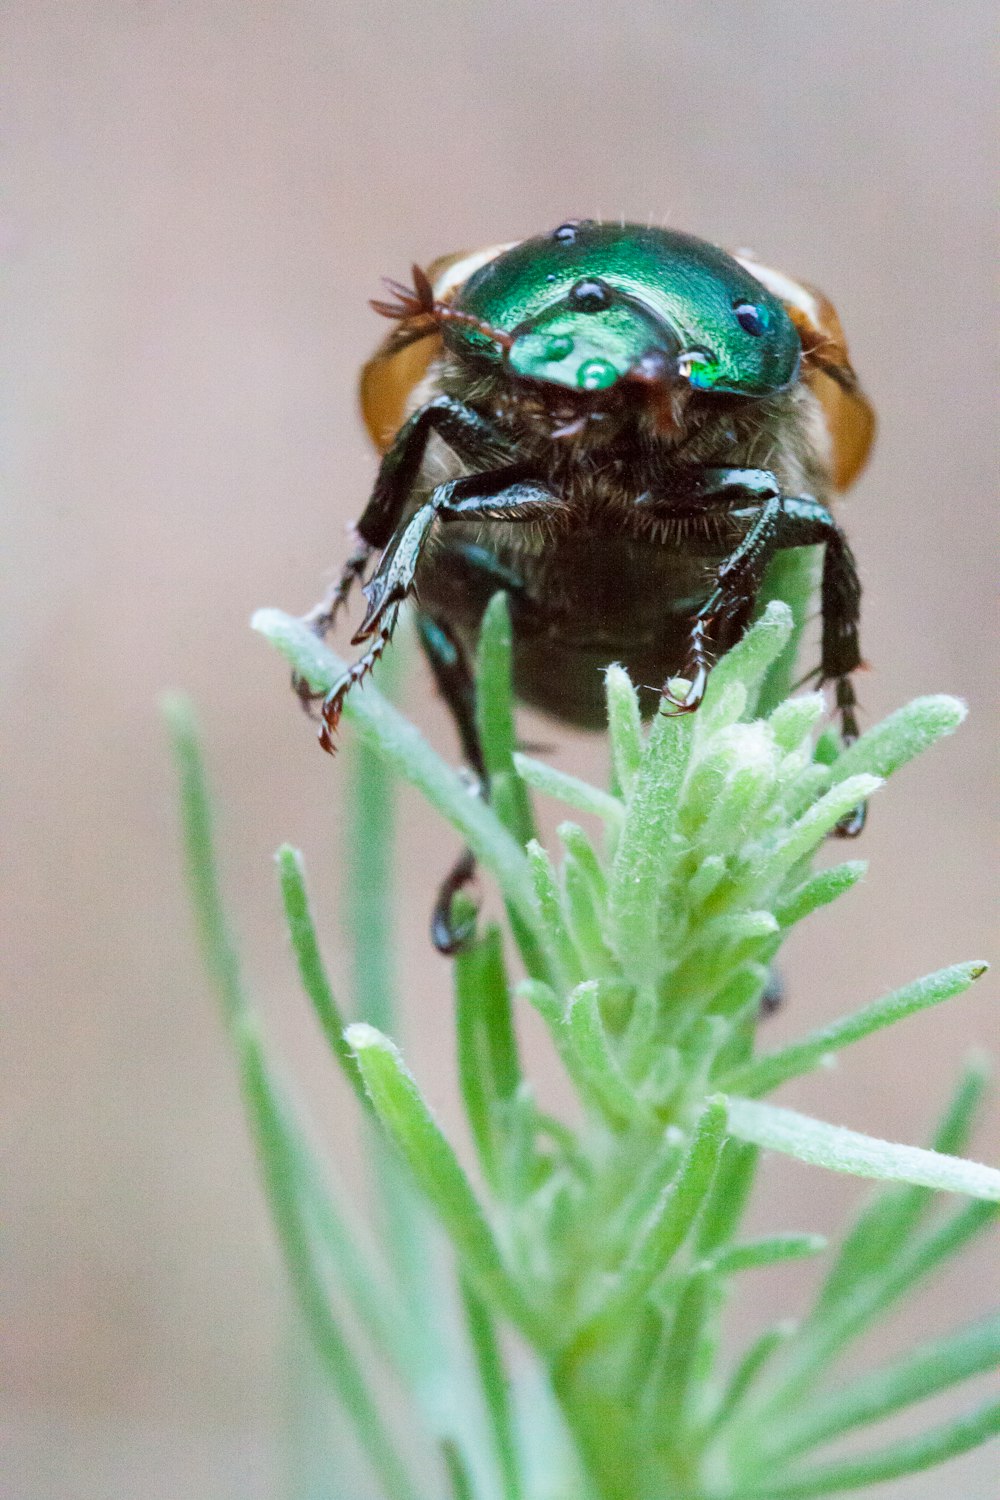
{"type": "Point", "coordinates": [619, 426]}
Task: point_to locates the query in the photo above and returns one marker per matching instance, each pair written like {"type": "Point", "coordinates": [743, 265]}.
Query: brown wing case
{"type": "Point", "coordinates": [826, 369]}
{"type": "Point", "coordinates": [403, 358]}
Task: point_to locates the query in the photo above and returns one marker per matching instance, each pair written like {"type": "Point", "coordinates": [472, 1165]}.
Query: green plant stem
{"type": "Point", "coordinates": [663, 1233]}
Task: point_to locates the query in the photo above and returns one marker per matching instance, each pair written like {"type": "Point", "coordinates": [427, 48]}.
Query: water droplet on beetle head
{"type": "Point", "coordinates": [558, 346]}
{"type": "Point", "coordinates": [596, 375]}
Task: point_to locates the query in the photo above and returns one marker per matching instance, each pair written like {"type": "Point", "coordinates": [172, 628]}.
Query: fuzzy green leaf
{"type": "Point", "coordinates": [766, 1073]}
{"type": "Point", "coordinates": [495, 718]}
{"type": "Point", "coordinates": [624, 727]}
{"type": "Point", "coordinates": [312, 970]}
{"type": "Point", "coordinates": [842, 1150]}
{"type": "Point", "coordinates": [770, 1251]}
{"type": "Point", "coordinates": [666, 1228]}
{"type": "Point", "coordinates": [435, 1167]}
{"type": "Point", "coordinates": [569, 789]}
{"type": "Point", "coordinates": [917, 1375]}
{"type": "Point", "coordinates": [488, 1068]}
{"type": "Point", "coordinates": [638, 871]}
{"type": "Point", "coordinates": [905, 734]}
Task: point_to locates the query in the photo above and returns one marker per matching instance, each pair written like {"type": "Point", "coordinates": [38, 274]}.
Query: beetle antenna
{"type": "Point", "coordinates": [419, 301]}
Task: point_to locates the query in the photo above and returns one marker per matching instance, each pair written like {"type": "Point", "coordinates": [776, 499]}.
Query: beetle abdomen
{"type": "Point", "coordinates": [577, 603]}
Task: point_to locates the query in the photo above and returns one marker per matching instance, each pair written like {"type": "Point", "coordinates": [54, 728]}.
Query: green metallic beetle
{"type": "Point", "coordinates": [619, 426]}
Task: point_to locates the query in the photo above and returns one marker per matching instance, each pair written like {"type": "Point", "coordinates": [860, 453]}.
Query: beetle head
{"type": "Point", "coordinates": [595, 305]}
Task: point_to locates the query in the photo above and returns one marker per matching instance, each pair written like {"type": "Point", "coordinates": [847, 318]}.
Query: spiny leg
{"type": "Point", "coordinates": [333, 703]}
{"type": "Point", "coordinates": [840, 592]}
{"type": "Point", "coordinates": [470, 436]}
{"type": "Point", "coordinates": [322, 617]}
{"type": "Point", "coordinates": [737, 585]}
{"type": "Point", "coordinates": [783, 521]}
{"type": "Point", "coordinates": [502, 495]}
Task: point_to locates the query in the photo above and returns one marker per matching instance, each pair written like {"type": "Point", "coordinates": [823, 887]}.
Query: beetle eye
{"type": "Point", "coordinates": [751, 319]}
{"type": "Point", "coordinates": [590, 295]}
{"type": "Point", "coordinates": [566, 233]}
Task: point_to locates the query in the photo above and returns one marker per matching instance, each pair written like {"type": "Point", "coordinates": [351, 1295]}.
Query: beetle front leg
{"type": "Point", "coordinates": [322, 617]}
{"type": "Point", "coordinates": [470, 437]}
{"type": "Point", "coordinates": [735, 593]}
{"type": "Point", "coordinates": [503, 495]}
{"type": "Point", "coordinates": [786, 521]}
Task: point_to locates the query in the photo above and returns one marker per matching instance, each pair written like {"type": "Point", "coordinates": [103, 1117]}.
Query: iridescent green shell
{"type": "Point", "coordinates": [672, 295]}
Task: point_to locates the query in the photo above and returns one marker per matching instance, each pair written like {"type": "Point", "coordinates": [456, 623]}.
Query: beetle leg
{"type": "Point", "coordinates": [502, 495]}
{"type": "Point", "coordinates": [470, 436]}
{"type": "Point", "coordinates": [457, 686]}
{"type": "Point", "coordinates": [333, 703]}
{"type": "Point", "coordinates": [789, 521]}
{"type": "Point", "coordinates": [737, 585]}
{"type": "Point", "coordinates": [322, 617]}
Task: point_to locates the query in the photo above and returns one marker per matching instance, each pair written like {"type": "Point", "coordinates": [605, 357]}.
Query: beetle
{"type": "Point", "coordinates": [619, 426]}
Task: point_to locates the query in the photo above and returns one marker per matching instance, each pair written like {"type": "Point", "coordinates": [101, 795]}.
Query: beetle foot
{"type": "Point", "coordinates": [695, 672]}
{"type": "Point", "coordinates": [852, 823]}
{"type": "Point", "coordinates": [447, 935]}
{"type": "Point", "coordinates": [691, 701]}
{"type": "Point", "coordinates": [333, 703]}
{"type": "Point", "coordinates": [382, 594]}
{"type": "Point", "coordinates": [323, 616]}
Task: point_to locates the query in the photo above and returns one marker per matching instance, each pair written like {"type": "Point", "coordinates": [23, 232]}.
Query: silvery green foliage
{"type": "Point", "coordinates": [591, 1261]}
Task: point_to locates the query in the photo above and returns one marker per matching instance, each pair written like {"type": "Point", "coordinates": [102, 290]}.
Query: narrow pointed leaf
{"type": "Point", "coordinates": [569, 789]}
{"type": "Point", "coordinates": [667, 1226]}
{"type": "Point", "coordinates": [766, 1073]}
{"type": "Point", "coordinates": [624, 726]}
{"type": "Point", "coordinates": [885, 747]}
{"type": "Point", "coordinates": [906, 1457]}
{"type": "Point", "coordinates": [495, 1388]}
{"type": "Point", "coordinates": [886, 1225]}
{"type": "Point", "coordinates": [312, 970]}
{"type": "Point", "coordinates": [488, 1068]}
{"type": "Point", "coordinates": [767, 1252]}
{"type": "Point", "coordinates": [819, 890]}
{"type": "Point", "coordinates": [644, 845]}
{"type": "Point", "coordinates": [842, 1150]}
{"type": "Point", "coordinates": [495, 717]}
{"type": "Point", "coordinates": [919, 1374]}
{"type": "Point", "coordinates": [410, 1124]}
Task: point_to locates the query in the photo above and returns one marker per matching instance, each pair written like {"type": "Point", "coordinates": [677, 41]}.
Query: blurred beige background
{"type": "Point", "coordinates": [202, 196]}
